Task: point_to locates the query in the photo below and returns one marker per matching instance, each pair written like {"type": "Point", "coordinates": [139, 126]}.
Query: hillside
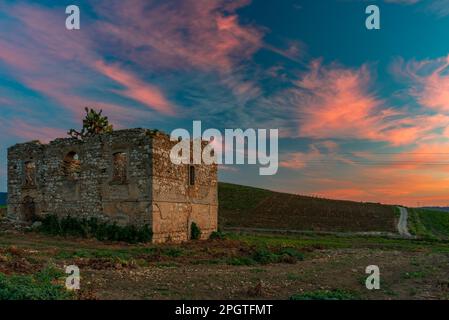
{"type": "Point", "coordinates": [431, 224]}
{"type": "Point", "coordinates": [241, 206]}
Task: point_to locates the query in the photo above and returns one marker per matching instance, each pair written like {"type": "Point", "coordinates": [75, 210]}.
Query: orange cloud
{"type": "Point", "coordinates": [338, 104]}
{"type": "Point", "coordinates": [390, 186]}
{"type": "Point", "coordinates": [417, 175]}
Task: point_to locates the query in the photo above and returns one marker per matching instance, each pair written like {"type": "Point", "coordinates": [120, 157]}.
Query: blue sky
{"type": "Point", "coordinates": [362, 113]}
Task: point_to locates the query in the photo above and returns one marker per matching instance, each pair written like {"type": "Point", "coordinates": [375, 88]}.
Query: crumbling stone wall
{"type": "Point", "coordinates": [125, 177]}
{"type": "Point", "coordinates": [177, 203]}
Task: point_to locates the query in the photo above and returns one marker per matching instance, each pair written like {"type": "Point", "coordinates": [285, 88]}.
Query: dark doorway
{"type": "Point", "coordinates": [28, 209]}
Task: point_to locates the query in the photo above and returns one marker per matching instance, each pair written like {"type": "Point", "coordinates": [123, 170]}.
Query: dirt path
{"type": "Point", "coordinates": [402, 224]}
{"type": "Point", "coordinates": [305, 232]}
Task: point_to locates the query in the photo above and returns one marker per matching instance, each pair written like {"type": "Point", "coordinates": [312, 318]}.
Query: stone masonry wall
{"type": "Point", "coordinates": [92, 192]}
{"type": "Point", "coordinates": [176, 203]}
{"type": "Point", "coordinates": [154, 191]}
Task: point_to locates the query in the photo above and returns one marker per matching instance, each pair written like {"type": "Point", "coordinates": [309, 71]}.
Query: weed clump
{"type": "Point", "coordinates": [40, 286]}
{"type": "Point", "coordinates": [93, 228]}
{"type": "Point", "coordinates": [217, 235]}
{"type": "Point", "coordinates": [264, 256]}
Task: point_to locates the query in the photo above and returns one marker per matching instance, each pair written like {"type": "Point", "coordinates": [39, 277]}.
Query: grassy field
{"type": "Point", "coordinates": [429, 224]}
{"type": "Point", "coordinates": [242, 266]}
{"type": "Point", "coordinates": [241, 206]}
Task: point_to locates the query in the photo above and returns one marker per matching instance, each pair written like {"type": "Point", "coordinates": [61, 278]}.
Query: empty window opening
{"type": "Point", "coordinates": [192, 175]}
{"type": "Point", "coordinates": [71, 165]}
{"type": "Point", "coordinates": [119, 167]}
{"type": "Point", "coordinates": [30, 174]}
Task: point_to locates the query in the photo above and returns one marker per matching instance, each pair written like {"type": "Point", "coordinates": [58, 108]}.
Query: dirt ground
{"type": "Point", "coordinates": [335, 269]}
{"type": "Point", "coordinates": [221, 269]}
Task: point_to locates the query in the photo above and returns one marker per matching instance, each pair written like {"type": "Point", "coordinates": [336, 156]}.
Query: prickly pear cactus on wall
{"type": "Point", "coordinates": [94, 123]}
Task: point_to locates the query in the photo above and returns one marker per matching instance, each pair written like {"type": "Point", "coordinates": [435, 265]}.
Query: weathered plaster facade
{"type": "Point", "coordinates": [125, 177]}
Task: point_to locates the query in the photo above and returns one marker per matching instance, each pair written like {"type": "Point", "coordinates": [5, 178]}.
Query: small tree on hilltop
{"type": "Point", "coordinates": [94, 123]}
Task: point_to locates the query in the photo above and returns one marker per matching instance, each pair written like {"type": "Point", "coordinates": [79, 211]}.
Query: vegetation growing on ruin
{"type": "Point", "coordinates": [93, 228]}
{"type": "Point", "coordinates": [94, 123]}
{"type": "Point", "coordinates": [217, 235]}
{"type": "Point", "coordinates": [195, 231]}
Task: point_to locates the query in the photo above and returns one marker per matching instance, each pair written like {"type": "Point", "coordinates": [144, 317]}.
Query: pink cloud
{"type": "Point", "coordinates": [334, 102]}
{"type": "Point", "coordinates": [136, 89]}
{"type": "Point", "coordinates": [201, 34]}
{"type": "Point", "coordinates": [15, 58]}
{"type": "Point", "coordinates": [429, 81]}
{"type": "Point", "coordinates": [28, 131]}
{"type": "Point", "coordinates": [39, 48]}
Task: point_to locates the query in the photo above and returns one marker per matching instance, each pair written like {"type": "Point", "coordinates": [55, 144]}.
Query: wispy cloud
{"type": "Point", "coordinates": [336, 102]}
{"type": "Point", "coordinates": [37, 50]}
{"type": "Point", "coordinates": [136, 89]}
{"type": "Point", "coordinates": [200, 34]}
{"type": "Point", "coordinates": [428, 80]}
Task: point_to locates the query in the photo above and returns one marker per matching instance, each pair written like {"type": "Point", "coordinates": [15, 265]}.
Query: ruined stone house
{"type": "Point", "coordinates": [124, 177]}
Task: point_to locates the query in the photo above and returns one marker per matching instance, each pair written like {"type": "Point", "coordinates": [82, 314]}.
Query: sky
{"type": "Point", "coordinates": [362, 114]}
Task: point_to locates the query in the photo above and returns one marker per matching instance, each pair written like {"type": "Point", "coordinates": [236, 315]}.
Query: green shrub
{"type": "Point", "coordinates": [50, 225]}
{"type": "Point", "coordinates": [40, 286]}
{"type": "Point", "coordinates": [103, 231]}
{"type": "Point", "coordinates": [217, 235]}
{"type": "Point", "coordinates": [264, 256]}
{"type": "Point", "coordinates": [195, 231]}
{"type": "Point", "coordinates": [337, 294]}
{"type": "Point", "coordinates": [292, 252]}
